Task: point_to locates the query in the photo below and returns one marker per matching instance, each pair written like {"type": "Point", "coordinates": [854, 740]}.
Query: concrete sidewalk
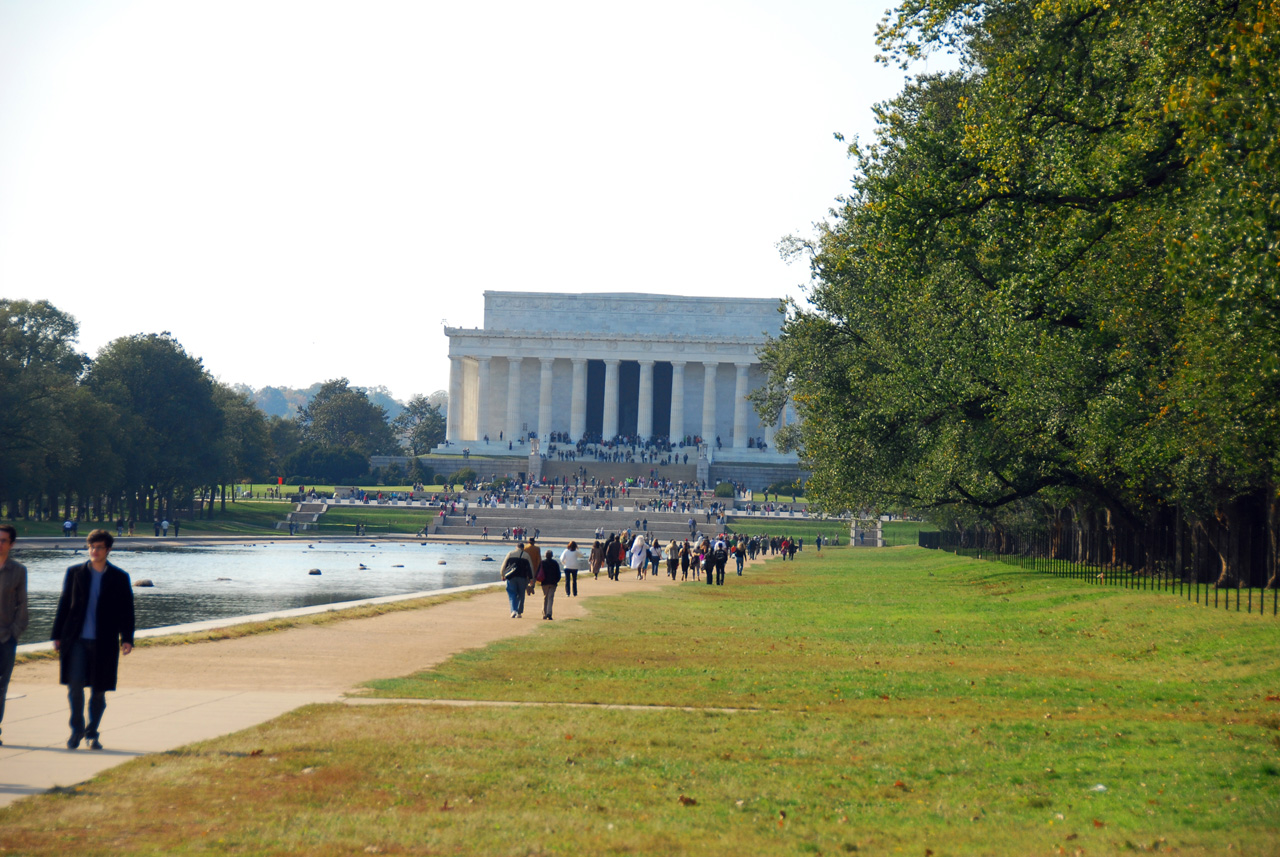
{"type": "Point", "coordinates": [173, 696]}
{"type": "Point", "coordinates": [138, 721]}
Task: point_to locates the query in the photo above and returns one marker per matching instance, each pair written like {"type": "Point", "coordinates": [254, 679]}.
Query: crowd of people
{"type": "Point", "coordinates": [706, 558]}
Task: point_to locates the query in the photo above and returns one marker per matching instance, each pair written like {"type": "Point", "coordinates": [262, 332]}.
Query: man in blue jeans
{"type": "Point", "coordinates": [93, 625]}
{"type": "Point", "coordinates": [13, 608]}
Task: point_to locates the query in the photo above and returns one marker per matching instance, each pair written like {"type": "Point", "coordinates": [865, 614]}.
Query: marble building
{"type": "Point", "coordinates": [607, 364]}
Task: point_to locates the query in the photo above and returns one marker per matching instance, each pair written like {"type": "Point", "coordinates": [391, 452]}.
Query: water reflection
{"type": "Point", "coordinates": [193, 584]}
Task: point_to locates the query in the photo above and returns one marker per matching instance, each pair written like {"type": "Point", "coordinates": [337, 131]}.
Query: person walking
{"type": "Point", "coordinates": [569, 561]}
{"type": "Point", "coordinates": [548, 579]}
{"type": "Point", "coordinates": [720, 556]}
{"type": "Point", "coordinates": [639, 556]}
{"type": "Point", "coordinates": [93, 626]}
{"type": "Point", "coordinates": [596, 559]}
{"type": "Point", "coordinates": [517, 574]}
{"type": "Point", "coordinates": [13, 609]}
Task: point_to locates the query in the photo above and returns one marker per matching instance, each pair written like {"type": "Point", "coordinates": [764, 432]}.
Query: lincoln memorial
{"type": "Point", "coordinates": [600, 366]}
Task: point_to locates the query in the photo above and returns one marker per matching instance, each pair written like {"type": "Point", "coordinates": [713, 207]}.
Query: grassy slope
{"type": "Point", "coordinates": [906, 700]}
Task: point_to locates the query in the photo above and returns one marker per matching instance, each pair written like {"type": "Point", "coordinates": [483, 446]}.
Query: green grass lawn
{"type": "Point", "coordinates": [895, 532]}
{"type": "Point", "coordinates": [896, 701]}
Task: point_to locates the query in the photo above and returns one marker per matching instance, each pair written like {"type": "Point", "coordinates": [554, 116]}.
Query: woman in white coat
{"type": "Point", "coordinates": [639, 556]}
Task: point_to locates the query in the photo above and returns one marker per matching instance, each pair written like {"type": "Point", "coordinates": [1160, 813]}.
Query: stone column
{"type": "Point", "coordinates": [677, 401]}
{"type": "Point", "coordinates": [769, 432]}
{"type": "Point", "coordinates": [578, 400]}
{"type": "Point", "coordinates": [709, 402]}
{"type": "Point", "coordinates": [513, 397]}
{"type": "Point", "coordinates": [740, 407]}
{"type": "Point", "coordinates": [453, 419]}
{"type": "Point", "coordinates": [610, 399]}
{"type": "Point", "coordinates": [644, 419]}
{"type": "Point", "coordinates": [482, 394]}
{"type": "Point", "coordinates": [544, 399]}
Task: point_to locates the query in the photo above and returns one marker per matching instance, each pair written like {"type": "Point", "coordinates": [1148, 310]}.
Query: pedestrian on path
{"type": "Point", "coordinates": [569, 561]}
{"type": "Point", "coordinates": [548, 578]}
{"type": "Point", "coordinates": [597, 559]}
{"type": "Point", "coordinates": [93, 626]}
{"type": "Point", "coordinates": [517, 574]}
{"type": "Point", "coordinates": [13, 609]}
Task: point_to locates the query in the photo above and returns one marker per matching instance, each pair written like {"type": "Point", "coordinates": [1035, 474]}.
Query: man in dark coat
{"type": "Point", "coordinates": [93, 625]}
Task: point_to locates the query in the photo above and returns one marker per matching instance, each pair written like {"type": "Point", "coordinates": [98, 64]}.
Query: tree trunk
{"type": "Point", "coordinates": [1273, 536]}
{"type": "Point", "coordinates": [1227, 537]}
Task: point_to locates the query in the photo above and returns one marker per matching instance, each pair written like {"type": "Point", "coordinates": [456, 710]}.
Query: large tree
{"type": "Point", "coordinates": [341, 416]}
{"type": "Point", "coordinates": [421, 425]}
{"type": "Point", "coordinates": [170, 423]}
{"type": "Point", "coordinates": [1055, 276]}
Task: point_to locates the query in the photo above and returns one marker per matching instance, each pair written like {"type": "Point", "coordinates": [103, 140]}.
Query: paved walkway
{"type": "Point", "coordinates": [172, 696]}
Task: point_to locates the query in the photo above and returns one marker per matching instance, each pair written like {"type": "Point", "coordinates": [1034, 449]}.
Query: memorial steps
{"type": "Point", "coordinates": [561, 524]}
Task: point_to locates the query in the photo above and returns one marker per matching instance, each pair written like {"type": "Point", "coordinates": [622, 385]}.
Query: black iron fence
{"type": "Point", "coordinates": [1238, 574]}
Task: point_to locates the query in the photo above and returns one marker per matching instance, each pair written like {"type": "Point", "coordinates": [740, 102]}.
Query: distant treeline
{"type": "Point", "coordinates": [143, 429]}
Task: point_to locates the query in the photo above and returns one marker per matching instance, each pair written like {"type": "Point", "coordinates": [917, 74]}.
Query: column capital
{"type": "Point", "coordinates": [646, 362]}
{"type": "Point", "coordinates": [744, 365]}
{"type": "Point", "coordinates": [578, 361]}
{"type": "Point", "coordinates": [483, 361]}
{"type": "Point", "coordinates": [546, 361]}
{"type": "Point", "coordinates": [613, 361]}
{"type": "Point", "coordinates": [677, 364]}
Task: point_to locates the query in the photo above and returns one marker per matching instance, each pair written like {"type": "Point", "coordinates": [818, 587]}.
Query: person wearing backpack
{"type": "Point", "coordinates": [720, 556]}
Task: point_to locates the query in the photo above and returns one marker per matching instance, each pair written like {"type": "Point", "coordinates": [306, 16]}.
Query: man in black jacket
{"type": "Point", "coordinates": [93, 625]}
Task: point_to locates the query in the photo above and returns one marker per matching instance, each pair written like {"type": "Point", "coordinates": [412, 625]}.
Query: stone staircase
{"type": "Point", "coordinates": [304, 516]}
{"type": "Point", "coordinates": [580, 523]}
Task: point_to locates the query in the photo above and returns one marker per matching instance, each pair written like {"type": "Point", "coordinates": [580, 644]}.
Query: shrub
{"type": "Point", "coordinates": [725, 489]}
{"type": "Point", "coordinates": [463, 476]}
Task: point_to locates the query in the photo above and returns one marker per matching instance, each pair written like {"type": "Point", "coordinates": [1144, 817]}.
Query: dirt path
{"type": "Point", "coordinates": [338, 656]}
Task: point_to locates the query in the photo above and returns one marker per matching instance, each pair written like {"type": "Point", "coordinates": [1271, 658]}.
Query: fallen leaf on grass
{"type": "Point", "coordinates": [1071, 836]}
{"type": "Point", "coordinates": [255, 752]}
{"type": "Point", "coordinates": [445, 806]}
{"type": "Point", "coordinates": [1097, 823]}
{"type": "Point", "coordinates": [688, 801]}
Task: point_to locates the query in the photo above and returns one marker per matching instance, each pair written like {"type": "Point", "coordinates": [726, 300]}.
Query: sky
{"type": "Point", "coordinates": [299, 191]}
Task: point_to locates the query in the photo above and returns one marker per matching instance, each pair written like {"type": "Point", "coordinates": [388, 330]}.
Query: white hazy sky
{"type": "Point", "coordinates": [305, 190]}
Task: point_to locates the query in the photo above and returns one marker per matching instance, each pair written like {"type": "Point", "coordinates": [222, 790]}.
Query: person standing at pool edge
{"type": "Point", "coordinates": [93, 626]}
{"type": "Point", "coordinates": [13, 608]}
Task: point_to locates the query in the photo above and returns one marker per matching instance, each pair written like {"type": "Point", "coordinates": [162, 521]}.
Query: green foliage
{"type": "Point", "coordinates": [421, 425]}
{"type": "Point", "coordinates": [341, 416]}
{"type": "Point", "coordinates": [463, 476]}
{"type": "Point", "coordinates": [330, 464]}
{"type": "Point", "coordinates": [169, 421]}
{"type": "Point", "coordinates": [724, 489]}
{"type": "Point", "coordinates": [1055, 279]}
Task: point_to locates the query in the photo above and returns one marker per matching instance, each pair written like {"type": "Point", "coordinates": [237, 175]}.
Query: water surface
{"type": "Point", "coordinates": [197, 583]}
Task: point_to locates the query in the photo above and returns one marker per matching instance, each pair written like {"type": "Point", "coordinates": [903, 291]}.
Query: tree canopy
{"type": "Point", "coordinates": [1055, 276]}
{"type": "Point", "coordinates": [143, 428]}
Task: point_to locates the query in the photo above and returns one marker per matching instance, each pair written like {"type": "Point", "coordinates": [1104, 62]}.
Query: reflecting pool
{"type": "Point", "coordinates": [197, 583]}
